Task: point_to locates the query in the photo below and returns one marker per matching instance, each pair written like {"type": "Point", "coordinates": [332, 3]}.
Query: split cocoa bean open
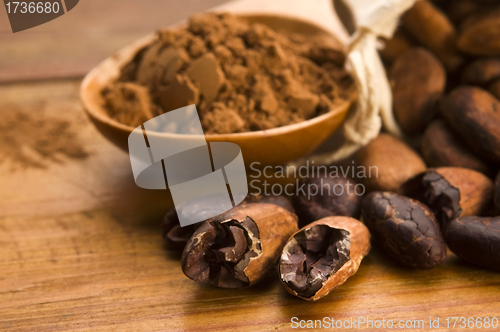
{"type": "Point", "coordinates": [451, 192]}
{"type": "Point", "coordinates": [238, 248]}
{"type": "Point", "coordinates": [322, 256]}
{"type": "Point", "coordinates": [176, 237]}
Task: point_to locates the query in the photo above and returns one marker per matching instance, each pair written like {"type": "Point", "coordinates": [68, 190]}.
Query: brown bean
{"type": "Point", "coordinates": [474, 114]}
{"type": "Point", "coordinates": [418, 80]}
{"type": "Point", "coordinates": [434, 30]}
{"type": "Point", "coordinates": [322, 256]}
{"type": "Point", "coordinates": [441, 147]}
{"type": "Point", "coordinates": [388, 163]}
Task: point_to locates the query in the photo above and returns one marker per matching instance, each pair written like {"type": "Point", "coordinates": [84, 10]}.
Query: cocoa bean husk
{"type": "Point", "coordinates": [406, 229]}
{"type": "Point", "coordinates": [418, 80]}
{"type": "Point", "coordinates": [240, 247]}
{"type": "Point", "coordinates": [322, 256]}
{"type": "Point", "coordinates": [393, 160]}
{"type": "Point", "coordinates": [473, 113]}
{"type": "Point", "coordinates": [451, 192]}
{"type": "Point", "coordinates": [433, 29]}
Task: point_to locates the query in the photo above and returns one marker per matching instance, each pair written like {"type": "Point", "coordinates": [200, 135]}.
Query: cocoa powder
{"type": "Point", "coordinates": [242, 76]}
{"type": "Point", "coordinates": [34, 139]}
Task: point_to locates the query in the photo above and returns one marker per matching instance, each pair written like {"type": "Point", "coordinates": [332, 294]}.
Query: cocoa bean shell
{"type": "Point", "coordinates": [458, 10]}
{"type": "Point", "coordinates": [394, 160]}
{"type": "Point", "coordinates": [329, 201]}
{"type": "Point", "coordinates": [451, 192]}
{"type": "Point", "coordinates": [481, 72]}
{"type": "Point", "coordinates": [441, 147]}
{"type": "Point", "coordinates": [476, 240]}
{"type": "Point", "coordinates": [434, 30]}
{"type": "Point", "coordinates": [418, 80]}
{"type": "Point", "coordinates": [359, 240]}
{"type": "Point", "coordinates": [393, 48]}
{"type": "Point", "coordinates": [494, 89]}
{"type": "Point", "coordinates": [176, 237]}
{"type": "Point", "coordinates": [474, 114]}
{"type": "Point", "coordinates": [267, 228]}
{"type": "Point", "coordinates": [480, 35]}
{"type": "Point", "coordinates": [405, 228]}
{"type": "Point", "coordinates": [496, 195]}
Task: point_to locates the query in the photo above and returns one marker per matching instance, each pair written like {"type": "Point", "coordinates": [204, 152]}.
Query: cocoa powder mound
{"type": "Point", "coordinates": [241, 76]}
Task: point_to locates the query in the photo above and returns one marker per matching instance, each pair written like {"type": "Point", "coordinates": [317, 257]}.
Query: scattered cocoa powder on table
{"type": "Point", "coordinates": [34, 139]}
{"type": "Point", "coordinates": [242, 76]}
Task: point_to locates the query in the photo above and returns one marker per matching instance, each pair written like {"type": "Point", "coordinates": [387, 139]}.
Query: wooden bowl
{"type": "Point", "coordinates": [269, 147]}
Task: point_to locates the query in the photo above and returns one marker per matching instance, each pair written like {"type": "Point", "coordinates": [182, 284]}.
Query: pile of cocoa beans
{"type": "Point", "coordinates": [443, 64]}
{"type": "Point", "coordinates": [433, 189]}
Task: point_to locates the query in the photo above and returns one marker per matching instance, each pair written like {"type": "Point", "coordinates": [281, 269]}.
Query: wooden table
{"type": "Point", "coordinates": [80, 244]}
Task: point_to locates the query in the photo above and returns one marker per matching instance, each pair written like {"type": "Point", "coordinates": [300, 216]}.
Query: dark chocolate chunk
{"type": "Point", "coordinates": [496, 197]}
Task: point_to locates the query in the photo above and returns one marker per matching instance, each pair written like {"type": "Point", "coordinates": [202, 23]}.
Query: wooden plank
{"type": "Point", "coordinates": [52, 160]}
{"type": "Point", "coordinates": [74, 43]}
{"type": "Point", "coordinates": [71, 45]}
{"type": "Point", "coordinates": [107, 270]}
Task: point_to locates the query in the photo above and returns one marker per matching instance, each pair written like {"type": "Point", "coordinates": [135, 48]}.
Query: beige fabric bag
{"type": "Point", "coordinates": [372, 19]}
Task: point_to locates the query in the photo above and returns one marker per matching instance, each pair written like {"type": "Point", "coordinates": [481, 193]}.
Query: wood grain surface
{"type": "Point", "coordinates": [80, 249]}
{"type": "Point", "coordinates": [80, 243]}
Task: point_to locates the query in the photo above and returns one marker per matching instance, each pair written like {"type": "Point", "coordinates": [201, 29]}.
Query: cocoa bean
{"type": "Point", "coordinates": [418, 80]}
{"type": "Point", "coordinates": [176, 236]}
{"type": "Point", "coordinates": [494, 89]}
{"type": "Point", "coordinates": [441, 147]}
{"type": "Point", "coordinates": [405, 228]}
{"type": "Point", "coordinates": [480, 35]}
{"type": "Point", "coordinates": [451, 192]}
{"type": "Point", "coordinates": [474, 114]}
{"type": "Point", "coordinates": [476, 240]}
{"type": "Point", "coordinates": [396, 46]}
{"type": "Point", "coordinates": [327, 196]}
{"type": "Point", "coordinates": [496, 196]}
{"type": "Point", "coordinates": [388, 163]}
{"type": "Point", "coordinates": [322, 256]}
{"type": "Point", "coordinates": [435, 31]}
{"type": "Point", "coordinates": [240, 247]}
{"type": "Point", "coordinates": [481, 72]}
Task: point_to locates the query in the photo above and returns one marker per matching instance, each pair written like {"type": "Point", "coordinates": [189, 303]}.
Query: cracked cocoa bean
{"type": "Point", "coordinates": [405, 228]}
{"type": "Point", "coordinates": [322, 256]}
{"type": "Point", "coordinates": [451, 192]}
{"type": "Point", "coordinates": [473, 113]}
{"type": "Point", "coordinates": [479, 35]}
{"type": "Point", "coordinates": [240, 247]}
{"type": "Point", "coordinates": [476, 240]}
{"type": "Point", "coordinates": [326, 196]}
{"type": "Point", "coordinates": [176, 237]}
